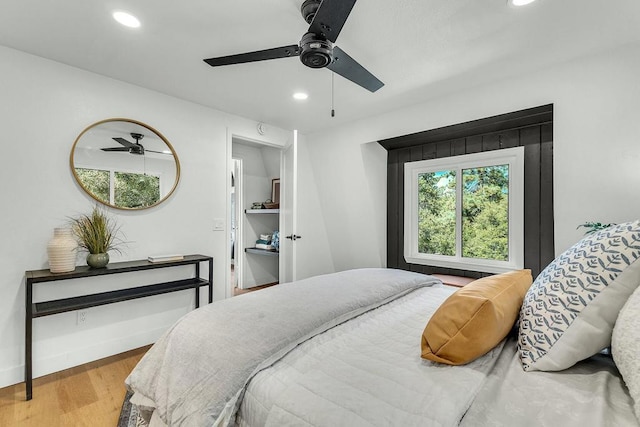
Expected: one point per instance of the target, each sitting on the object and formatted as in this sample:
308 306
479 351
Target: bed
343 349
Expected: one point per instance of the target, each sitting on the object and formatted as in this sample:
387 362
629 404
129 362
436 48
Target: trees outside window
97 182
135 190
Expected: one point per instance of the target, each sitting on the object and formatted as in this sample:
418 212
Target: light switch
218 224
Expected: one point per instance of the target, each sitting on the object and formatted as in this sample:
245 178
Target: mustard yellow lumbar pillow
475 319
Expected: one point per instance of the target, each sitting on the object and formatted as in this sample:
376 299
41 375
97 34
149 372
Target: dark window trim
531 128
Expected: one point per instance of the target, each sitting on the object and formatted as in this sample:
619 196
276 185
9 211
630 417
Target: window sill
457 281
485 266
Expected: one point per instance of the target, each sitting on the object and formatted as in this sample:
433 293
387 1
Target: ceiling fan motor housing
309 8
316 51
138 149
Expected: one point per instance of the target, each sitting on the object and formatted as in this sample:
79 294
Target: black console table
47 308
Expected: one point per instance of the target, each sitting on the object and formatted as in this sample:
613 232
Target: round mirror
125 164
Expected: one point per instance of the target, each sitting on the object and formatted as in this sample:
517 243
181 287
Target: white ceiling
420 49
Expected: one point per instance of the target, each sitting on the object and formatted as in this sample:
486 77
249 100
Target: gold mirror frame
133 126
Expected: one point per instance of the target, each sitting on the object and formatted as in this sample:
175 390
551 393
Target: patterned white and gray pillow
625 347
569 312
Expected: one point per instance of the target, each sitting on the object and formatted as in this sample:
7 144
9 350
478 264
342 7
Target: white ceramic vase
62 251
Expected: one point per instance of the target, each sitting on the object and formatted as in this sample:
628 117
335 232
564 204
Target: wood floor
87 395
238 291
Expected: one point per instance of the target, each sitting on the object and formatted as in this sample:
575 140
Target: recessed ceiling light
520 2
126 19
300 96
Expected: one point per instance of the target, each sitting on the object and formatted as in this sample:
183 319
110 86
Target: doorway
254 215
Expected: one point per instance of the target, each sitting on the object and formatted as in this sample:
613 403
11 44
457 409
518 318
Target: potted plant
97 234
592 227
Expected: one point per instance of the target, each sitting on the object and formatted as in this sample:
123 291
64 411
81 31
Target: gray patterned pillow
569 312
625 347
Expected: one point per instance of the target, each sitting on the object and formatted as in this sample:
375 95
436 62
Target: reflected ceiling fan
316 48
130 147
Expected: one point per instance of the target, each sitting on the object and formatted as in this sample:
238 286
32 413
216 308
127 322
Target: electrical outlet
82 317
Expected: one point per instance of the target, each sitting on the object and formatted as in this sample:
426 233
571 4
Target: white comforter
195 375
367 372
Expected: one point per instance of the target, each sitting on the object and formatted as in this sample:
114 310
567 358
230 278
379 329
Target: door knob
293 237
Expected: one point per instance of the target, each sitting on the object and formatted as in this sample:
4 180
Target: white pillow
625 347
569 312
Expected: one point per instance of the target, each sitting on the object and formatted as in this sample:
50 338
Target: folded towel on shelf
263 242
265 237
263 246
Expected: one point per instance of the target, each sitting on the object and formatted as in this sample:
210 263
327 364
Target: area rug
129 414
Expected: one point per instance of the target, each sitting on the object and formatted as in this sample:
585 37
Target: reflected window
123 189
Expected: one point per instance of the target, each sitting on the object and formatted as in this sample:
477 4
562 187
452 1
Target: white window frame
514 157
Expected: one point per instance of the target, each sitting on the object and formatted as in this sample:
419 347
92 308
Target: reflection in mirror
125 164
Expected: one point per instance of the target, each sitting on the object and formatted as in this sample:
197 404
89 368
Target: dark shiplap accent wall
531 128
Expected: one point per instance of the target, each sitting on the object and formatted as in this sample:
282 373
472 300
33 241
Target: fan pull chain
333 112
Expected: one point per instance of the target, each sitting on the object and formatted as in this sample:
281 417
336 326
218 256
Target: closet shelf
262 211
258 251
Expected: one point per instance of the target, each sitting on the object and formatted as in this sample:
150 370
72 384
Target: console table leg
28 374
197 287
210 280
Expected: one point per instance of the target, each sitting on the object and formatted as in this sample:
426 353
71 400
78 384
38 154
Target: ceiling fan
316 48
130 147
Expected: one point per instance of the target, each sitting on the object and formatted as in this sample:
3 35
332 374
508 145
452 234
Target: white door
288 210
238 248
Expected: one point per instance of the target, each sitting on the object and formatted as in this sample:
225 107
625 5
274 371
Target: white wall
596 151
43 108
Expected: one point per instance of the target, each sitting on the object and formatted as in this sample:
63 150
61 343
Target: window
466 212
126 189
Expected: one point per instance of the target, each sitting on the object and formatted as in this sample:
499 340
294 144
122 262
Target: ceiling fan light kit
315 52
316 49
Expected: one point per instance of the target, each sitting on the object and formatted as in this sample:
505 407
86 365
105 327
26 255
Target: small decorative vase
61 250
98 260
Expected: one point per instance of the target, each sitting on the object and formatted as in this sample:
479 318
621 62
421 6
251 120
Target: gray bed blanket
196 373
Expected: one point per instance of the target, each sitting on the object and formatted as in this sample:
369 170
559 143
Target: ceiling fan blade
124 142
159 152
260 55
115 149
348 68
330 18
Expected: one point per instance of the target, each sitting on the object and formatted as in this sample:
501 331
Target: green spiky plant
592 227
96 232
